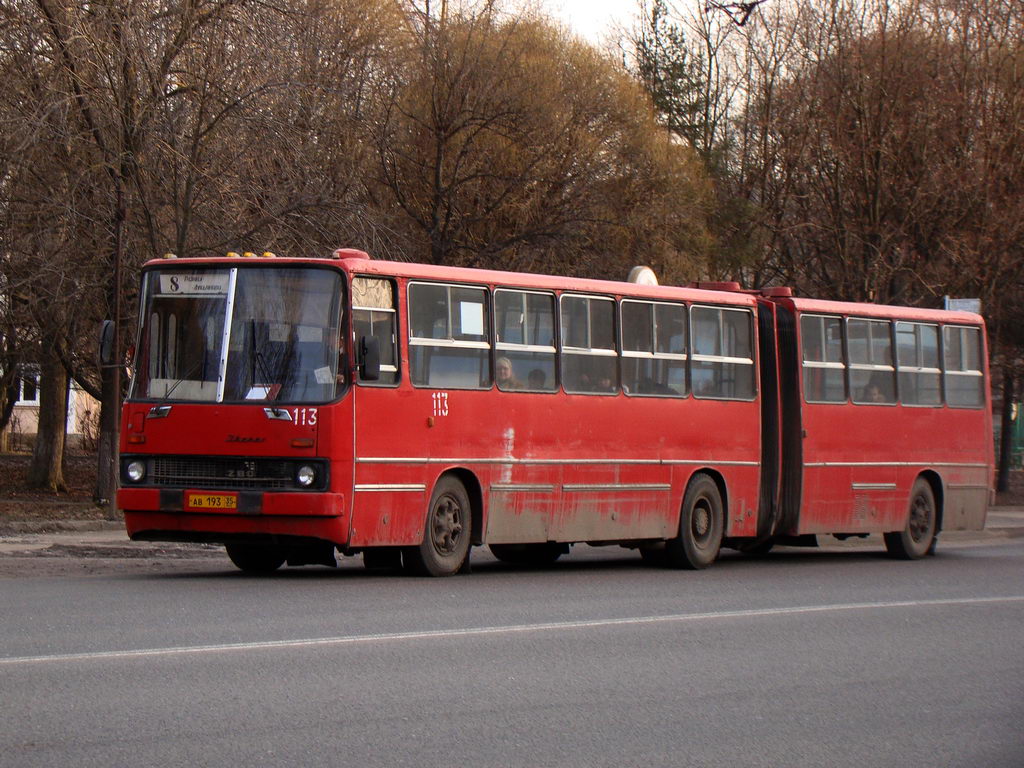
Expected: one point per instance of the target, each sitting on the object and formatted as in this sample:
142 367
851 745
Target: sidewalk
88 538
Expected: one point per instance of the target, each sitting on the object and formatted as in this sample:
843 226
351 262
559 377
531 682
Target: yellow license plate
226 501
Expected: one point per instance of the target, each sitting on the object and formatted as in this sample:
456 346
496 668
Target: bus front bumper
167 515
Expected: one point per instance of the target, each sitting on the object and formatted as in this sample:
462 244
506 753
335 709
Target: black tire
528 554
701 526
918 538
446 534
255 558
382 559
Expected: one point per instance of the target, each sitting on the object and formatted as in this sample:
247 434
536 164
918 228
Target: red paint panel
278 504
381 518
628 458
860 461
328 528
221 430
138 499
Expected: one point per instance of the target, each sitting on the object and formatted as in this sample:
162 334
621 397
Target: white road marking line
502 630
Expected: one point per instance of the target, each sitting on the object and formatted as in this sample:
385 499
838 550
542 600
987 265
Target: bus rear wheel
446 536
918 538
255 558
701 527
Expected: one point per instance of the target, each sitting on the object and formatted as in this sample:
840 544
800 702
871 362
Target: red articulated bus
293 409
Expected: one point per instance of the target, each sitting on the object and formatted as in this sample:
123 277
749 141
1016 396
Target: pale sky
592 19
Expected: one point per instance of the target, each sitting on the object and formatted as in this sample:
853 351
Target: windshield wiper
259 365
185 376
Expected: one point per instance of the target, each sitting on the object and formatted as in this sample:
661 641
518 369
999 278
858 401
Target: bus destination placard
194 284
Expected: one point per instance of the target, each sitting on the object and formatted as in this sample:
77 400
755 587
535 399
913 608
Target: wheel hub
447 527
701 522
919 519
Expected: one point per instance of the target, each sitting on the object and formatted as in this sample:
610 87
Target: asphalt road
805 658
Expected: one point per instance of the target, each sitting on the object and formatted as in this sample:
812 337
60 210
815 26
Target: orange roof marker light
248 255
169 256
268 255
233 255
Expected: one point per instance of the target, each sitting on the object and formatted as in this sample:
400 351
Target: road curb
16 527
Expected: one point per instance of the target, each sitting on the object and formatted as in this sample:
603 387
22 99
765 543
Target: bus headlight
306 475
136 471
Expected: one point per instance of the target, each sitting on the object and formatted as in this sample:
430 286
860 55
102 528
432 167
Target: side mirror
107 352
369 358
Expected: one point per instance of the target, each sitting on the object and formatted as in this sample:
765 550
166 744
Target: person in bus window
536 379
504 375
874 392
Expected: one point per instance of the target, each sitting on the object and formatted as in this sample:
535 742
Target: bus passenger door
390 423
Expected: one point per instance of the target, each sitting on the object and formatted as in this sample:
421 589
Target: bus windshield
240 335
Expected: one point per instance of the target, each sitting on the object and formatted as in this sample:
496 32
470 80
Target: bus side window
824 372
872 373
917 358
374 315
653 348
964 379
723 359
589 360
525 327
449 338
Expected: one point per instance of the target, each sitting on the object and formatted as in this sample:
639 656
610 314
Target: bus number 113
440 403
304 417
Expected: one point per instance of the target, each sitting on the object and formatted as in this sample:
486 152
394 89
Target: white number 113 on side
440 403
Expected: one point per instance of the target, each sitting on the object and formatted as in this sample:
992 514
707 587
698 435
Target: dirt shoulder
47 548
43 533
19 502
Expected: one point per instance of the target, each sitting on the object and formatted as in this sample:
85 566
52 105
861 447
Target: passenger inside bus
873 393
876 391
504 376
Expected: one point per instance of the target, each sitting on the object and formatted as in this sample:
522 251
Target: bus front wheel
255 558
701 527
446 536
915 541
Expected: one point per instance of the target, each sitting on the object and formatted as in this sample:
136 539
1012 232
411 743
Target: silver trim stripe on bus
522 488
597 487
507 460
819 464
873 486
391 487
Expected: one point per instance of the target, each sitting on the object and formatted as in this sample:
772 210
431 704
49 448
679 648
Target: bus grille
210 472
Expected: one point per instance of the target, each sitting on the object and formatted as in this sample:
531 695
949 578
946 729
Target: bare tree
510 144
138 128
